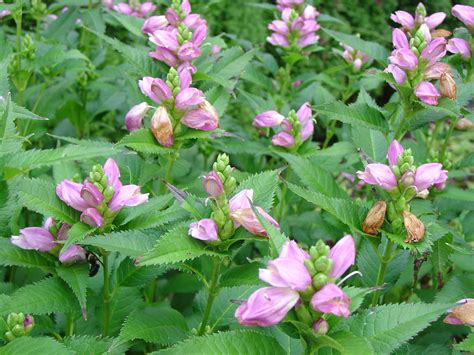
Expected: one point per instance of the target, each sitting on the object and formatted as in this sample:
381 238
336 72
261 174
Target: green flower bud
410 193
404 168
396 171
18 330
321 263
308 263
319 280
313 252
303 314
108 193
322 248
401 204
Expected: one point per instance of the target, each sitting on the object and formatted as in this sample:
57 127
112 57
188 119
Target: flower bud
415 228
310 266
213 184
322 263
462 314
319 280
134 117
321 326
92 217
322 248
161 127
447 86
205 229
463 124
91 194
375 218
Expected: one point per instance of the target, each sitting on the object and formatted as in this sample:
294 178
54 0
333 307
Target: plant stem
212 293
384 260
442 155
284 190
18 20
169 170
69 324
106 292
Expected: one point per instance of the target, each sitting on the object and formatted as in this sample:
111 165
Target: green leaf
130 275
275 237
347 211
13 255
446 108
130 243
467 344
233 342
372 142
156 218
77 277
372 49
77 233
246 274
44 297
10 142
87 344
389 326
132 24
352 344
154 204
35 346
456 288
360 115
142 140
176 246
63 25
40 196
162 325
264 186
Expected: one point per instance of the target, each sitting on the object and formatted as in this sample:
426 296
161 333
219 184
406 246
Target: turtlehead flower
205 229
161 127
134 8
343 256
213 184
154 23
410 22
34 238
72 254
465 14
427 93
331 299
462 314
134 117
459 46
355 58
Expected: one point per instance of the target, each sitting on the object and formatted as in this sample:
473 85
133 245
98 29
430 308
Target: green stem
69 324
284 190
212 293
384 260
169 171
89 7
18 20
442 155
106 293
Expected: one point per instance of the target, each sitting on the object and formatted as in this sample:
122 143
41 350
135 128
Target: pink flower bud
185 7
200 34
127 195
278 39
165 55
247 218
124 8
266 306
279 26
215 49
267 119
205 229
331 299
134 117
92 217
459 45
307 40
161 127
395 149
321 326
188 52
379 174
112 172
154 24
286 272
434 20
399 39
91 194
213 184
192 21
204 119
241 200
296 83
304 113
465 14
430 174
188 98
165 39
146 8
72 254
398 74
4 13
427 93
435 50
291 250
357 64
310 12
172 17
63 231
283 139
343 256
34 238
156 89
404 58
403 18
70 193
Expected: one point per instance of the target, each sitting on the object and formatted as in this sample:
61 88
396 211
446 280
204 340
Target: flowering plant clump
164 186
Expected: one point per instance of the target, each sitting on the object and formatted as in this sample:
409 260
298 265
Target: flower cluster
18 325
304 281
410 23
179 103
295 129
48 239
132 8
177 35
227 215
459 45
101 195
297 27
355 58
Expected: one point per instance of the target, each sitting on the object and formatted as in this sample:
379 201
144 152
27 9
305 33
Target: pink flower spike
92 217
205 229
70 193
343 256
267 306
34 238
72 254
403 18
286 272
188 98
435 50
165 39
399 39
427 93
395 149
267 119
331 299
112 171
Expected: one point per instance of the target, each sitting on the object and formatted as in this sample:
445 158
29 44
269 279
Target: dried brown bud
440 33
415 228
464 124
375 217
161 127
463 314
447 86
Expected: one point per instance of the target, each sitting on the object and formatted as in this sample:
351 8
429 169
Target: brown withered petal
415 228
440 33
375 218
161 127
464 124
447 86
465 312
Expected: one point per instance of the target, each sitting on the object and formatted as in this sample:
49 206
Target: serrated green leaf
264 186
156 218
446 108
44 297
246 274
372 142
389 326
457 288
176 246
88 344
467 344
13 255
77 233
40 196
77 277
132 24
35 346
352 344
142 140
162 325
130 243
276 238
130 275
230 343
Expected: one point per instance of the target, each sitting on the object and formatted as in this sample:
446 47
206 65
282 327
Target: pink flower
399 39
266 306
112 171
430 174
204 118
283 139
459 45
404 58
127 195
403 18
124 8
241 200
134 117
286 272
291 250
34 238
398 74
379 174
279 26
462 314
188 98
395 149
165 55
92 217
70 193
427 93
146 8
91 194
155 88
199 35
154 23
188 52
278 39
4 13
165 39
464 13
72 254
434 20
435 50
205 229
308 39
343 256
213 184
267 119
247 218
321 326
331 299
435 71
